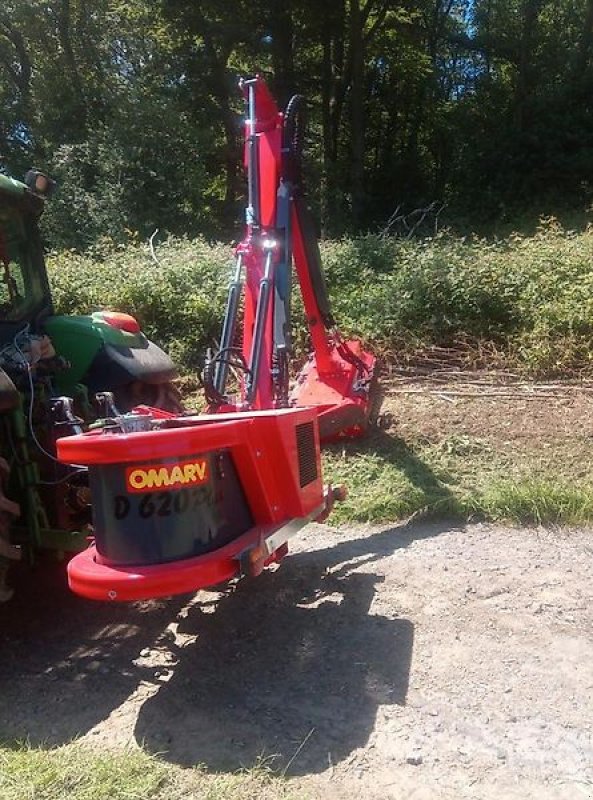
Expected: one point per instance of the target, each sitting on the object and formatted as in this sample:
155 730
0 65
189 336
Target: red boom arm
337 378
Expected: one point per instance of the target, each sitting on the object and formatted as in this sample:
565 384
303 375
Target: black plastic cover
314 266
156 527
115 366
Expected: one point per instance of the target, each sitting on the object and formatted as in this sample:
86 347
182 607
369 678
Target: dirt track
414 662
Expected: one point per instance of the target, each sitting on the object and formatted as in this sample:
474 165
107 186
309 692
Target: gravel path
423 661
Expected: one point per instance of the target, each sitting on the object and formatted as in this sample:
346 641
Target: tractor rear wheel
157 395
8 552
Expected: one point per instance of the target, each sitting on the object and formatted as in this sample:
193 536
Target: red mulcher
185 502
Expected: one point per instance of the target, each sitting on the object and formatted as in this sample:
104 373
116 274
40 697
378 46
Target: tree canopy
133 106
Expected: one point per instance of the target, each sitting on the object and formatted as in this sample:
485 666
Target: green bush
179 301
530 296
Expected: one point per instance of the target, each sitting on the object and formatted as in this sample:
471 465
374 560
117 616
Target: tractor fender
103 355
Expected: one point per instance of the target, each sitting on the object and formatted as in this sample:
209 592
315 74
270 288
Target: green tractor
58 374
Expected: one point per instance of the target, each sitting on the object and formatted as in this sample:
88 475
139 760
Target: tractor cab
103 351
58 374
24 290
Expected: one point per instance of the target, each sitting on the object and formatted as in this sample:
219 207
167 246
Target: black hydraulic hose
294 139
227 357
293 143
313 259
213 397
229 326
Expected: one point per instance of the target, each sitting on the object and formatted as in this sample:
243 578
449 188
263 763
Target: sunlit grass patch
459 476
537 502
79 772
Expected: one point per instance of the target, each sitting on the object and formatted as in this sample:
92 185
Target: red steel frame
263 127
264 453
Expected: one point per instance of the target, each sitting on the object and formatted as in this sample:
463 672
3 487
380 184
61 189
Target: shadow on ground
293 664
66 663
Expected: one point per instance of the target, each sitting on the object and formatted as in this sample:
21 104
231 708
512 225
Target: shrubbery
179 301
530 296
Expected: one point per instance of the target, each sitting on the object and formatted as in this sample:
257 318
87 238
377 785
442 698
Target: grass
386 481
462 475
393 483
78 772
537 502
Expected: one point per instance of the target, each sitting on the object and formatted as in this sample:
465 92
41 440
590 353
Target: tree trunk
21 77
335 78
284 81
531 10
584 47
328 185
357 89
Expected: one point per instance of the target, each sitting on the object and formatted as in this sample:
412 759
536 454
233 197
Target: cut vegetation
499 455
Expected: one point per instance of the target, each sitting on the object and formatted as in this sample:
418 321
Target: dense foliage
530 298
133 106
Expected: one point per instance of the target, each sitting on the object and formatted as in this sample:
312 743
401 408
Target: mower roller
185 502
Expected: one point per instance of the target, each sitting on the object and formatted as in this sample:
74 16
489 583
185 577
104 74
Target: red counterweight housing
193 501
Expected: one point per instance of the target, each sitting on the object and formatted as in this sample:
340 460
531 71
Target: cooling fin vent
305 437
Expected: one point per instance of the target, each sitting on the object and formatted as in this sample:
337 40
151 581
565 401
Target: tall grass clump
536 502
